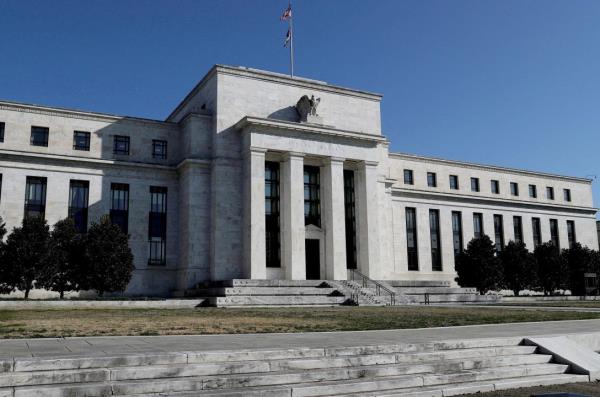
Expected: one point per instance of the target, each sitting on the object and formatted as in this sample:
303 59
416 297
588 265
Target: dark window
454 182
518 226
408 177
495 186
312 199
2 126
554 233
35 197
498 232
431 179
474 184
119 210
567 194
436 246
477 225
272 228
157 226
159 149
121 144
537 231
550 193
39 136
81 140
411 239
514 188
78 204
350 210
457 237
532 191
571 233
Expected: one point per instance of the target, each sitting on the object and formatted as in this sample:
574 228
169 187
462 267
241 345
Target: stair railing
380 289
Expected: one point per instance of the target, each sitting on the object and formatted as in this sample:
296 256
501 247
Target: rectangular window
121 145
39 136
119 209
495 186
157 226
514 188
550 193
518 228
532 191
350 212
571 233
2 126
477 225
537 231
408 177
499 232
474 184
431 179
457 237
159 149
78 204
35 196
436 246
454 182
81 140
554 233
567 194
272 215
411 239
312 198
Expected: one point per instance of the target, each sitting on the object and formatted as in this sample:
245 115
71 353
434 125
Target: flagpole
291 42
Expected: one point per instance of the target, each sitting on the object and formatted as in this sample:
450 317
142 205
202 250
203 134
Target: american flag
287 14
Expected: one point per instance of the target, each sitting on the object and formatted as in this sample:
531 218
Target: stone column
254 214
367 219
334 220
293 258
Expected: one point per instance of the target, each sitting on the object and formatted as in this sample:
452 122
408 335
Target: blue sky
511 82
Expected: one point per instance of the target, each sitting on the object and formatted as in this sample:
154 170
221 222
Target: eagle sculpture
307 106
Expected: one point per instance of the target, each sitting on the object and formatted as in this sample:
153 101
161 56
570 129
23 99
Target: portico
303 207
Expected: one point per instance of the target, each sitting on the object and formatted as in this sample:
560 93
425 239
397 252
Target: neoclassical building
259 175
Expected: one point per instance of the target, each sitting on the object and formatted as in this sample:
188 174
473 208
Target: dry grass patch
585 389
100 322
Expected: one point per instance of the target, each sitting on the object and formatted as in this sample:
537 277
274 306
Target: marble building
259 175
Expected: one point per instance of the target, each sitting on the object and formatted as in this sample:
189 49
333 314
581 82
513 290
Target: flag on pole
287 14
288 38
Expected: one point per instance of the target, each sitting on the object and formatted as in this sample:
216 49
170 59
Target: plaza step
440 292
425 369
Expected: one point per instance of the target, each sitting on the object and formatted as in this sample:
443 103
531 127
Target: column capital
255 150
330 160
369 163
289 155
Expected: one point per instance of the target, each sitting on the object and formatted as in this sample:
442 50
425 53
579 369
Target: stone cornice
485 167
464 198
79 114
83 161
193 162
280 125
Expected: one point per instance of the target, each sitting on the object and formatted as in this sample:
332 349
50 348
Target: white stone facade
218 141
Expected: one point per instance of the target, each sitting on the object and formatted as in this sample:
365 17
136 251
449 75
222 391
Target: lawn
97 322
584 304
586 389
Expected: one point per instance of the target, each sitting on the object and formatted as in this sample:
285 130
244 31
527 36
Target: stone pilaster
254 214
367 219
293 258
332 204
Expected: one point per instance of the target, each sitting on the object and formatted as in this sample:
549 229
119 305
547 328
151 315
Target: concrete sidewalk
111 345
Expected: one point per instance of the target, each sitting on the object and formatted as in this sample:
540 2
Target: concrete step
418 283
258 291
261 283
281 300
435 290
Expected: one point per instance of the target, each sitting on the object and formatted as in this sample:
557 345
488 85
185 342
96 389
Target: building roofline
76 113
274 77
488 167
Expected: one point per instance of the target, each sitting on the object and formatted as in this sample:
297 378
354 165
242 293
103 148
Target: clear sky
507 82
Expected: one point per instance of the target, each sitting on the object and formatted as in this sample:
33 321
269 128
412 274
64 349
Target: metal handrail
378 286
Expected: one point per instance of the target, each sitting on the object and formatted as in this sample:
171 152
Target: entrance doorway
313 259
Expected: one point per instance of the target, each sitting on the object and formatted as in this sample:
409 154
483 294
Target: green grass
99 322
589 303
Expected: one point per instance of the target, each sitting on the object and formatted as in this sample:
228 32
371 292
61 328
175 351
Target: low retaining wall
100 304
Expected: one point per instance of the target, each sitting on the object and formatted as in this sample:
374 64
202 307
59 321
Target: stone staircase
424 370
440 292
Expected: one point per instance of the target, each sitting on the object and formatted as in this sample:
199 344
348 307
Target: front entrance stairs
357 290
431 369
